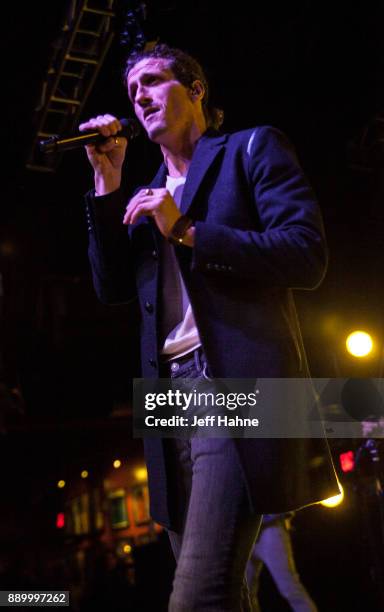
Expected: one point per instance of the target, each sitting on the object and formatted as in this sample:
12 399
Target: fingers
130 208
156 203
145 209
139 205
107 125
113 143
150 202
109 152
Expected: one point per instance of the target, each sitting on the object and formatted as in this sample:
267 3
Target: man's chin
155 132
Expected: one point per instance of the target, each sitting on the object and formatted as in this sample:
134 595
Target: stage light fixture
359 343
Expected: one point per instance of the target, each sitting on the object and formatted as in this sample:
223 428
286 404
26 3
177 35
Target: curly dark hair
186 70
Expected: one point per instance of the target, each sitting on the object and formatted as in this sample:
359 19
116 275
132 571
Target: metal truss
79 52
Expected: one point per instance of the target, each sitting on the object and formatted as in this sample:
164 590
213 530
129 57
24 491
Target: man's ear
197 90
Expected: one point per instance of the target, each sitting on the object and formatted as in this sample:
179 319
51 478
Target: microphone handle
56 144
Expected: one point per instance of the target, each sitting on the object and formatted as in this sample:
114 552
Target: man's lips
149 112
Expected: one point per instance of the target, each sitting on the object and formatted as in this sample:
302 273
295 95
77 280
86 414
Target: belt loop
197 359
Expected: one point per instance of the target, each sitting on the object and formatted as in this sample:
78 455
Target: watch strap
179 229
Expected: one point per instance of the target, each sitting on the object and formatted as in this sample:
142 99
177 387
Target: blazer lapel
207 149
160 178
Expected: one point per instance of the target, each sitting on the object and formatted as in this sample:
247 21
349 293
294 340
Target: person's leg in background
274 548
254 567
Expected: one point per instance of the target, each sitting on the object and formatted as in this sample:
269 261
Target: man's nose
142 96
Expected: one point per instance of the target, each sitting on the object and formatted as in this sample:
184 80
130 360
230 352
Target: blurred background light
347 461
359 343
334 501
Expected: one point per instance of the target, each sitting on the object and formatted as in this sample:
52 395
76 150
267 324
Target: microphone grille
131 128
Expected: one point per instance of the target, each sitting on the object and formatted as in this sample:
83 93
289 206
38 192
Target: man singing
211 249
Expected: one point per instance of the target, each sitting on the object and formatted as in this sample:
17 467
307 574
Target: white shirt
184 337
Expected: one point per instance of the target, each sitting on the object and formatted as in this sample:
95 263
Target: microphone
57 144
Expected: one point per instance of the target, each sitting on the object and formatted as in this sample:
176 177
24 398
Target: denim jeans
274 549
217 527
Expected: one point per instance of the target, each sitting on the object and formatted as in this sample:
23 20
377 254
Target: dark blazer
258 234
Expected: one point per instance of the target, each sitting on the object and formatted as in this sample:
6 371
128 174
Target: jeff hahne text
195 401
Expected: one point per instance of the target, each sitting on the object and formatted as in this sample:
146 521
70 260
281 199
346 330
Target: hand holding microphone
105 138
107 154
96 131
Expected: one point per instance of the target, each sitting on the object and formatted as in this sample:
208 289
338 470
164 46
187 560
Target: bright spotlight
359 344
332 502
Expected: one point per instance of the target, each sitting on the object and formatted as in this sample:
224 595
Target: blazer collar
160 178
207 149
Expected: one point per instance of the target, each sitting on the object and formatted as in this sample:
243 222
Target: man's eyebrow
143 76
153 72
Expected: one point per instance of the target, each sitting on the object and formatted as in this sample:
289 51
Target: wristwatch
179 229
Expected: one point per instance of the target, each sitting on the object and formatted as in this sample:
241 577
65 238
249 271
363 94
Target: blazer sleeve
109 248
290 250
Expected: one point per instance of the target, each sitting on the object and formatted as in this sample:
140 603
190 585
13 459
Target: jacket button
155 255
149 307
152 362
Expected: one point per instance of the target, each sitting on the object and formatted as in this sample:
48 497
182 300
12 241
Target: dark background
314 73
